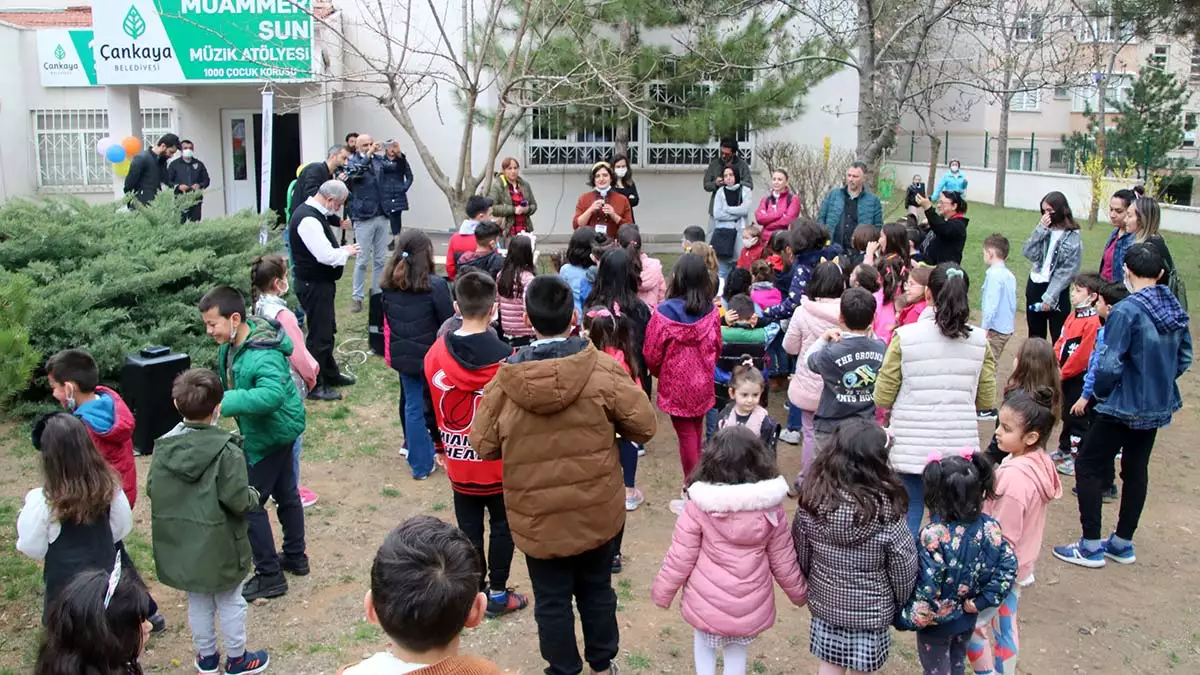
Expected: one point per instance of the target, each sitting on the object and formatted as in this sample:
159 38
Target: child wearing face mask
200 493
269 283
753 247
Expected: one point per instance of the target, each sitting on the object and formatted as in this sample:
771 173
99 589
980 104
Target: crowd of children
533 393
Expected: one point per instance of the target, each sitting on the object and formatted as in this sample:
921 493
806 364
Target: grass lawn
350 460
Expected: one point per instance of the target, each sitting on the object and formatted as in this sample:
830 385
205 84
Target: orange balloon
132 145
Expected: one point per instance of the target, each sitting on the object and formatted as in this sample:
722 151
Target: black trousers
317 299
497 560
191 214
587 578
1074 427
1093 472
1046 325
274 476
394 219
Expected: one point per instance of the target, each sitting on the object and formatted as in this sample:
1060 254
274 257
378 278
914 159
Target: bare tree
1016 49
941 98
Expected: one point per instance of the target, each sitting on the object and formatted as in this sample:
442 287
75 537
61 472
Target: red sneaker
511 602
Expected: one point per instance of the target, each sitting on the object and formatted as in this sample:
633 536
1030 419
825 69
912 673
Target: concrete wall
1025 189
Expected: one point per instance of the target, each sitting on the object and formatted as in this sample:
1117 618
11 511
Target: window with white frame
1026 101
1058 158
1118 88
1102 29
1062 93
560 137
1195 71
65 145
1158 58
1027 27
1022 159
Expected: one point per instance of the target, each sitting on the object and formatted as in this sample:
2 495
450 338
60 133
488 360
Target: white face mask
1128 283
749 241
954 169
188 154
286 287
621 171
603 190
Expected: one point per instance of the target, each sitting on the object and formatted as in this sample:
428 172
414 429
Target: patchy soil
1141 618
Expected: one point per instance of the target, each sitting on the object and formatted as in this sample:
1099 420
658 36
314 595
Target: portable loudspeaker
146 380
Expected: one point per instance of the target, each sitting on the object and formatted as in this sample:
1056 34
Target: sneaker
208 665
404 451
984 415
1123 555
307 497
1119 453
323 393
1067 467
641 448
1076 554
511 602
158 624
344 380
677 505
791 436
265 586
294 566
250 663
1060 456
617 561
355 306
426 476
1110 495
634 501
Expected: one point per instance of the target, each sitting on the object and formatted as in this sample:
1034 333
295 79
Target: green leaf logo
134 25
60 53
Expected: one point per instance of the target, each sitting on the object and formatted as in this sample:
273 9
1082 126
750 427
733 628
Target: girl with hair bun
937 372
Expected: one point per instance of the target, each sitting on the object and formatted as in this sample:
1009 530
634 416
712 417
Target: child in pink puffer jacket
730 541
817 313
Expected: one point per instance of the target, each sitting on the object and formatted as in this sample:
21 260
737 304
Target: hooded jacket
199 494
958 562
1025 486
110 425
652 285
489 263
304 366
859 575
1078 339
552 414
1147 347
729 542
946 238
681 351
802 269
457 367
460 243
395 179
259 392
811 321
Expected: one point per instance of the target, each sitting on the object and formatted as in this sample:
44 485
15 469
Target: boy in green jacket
199 494
252 363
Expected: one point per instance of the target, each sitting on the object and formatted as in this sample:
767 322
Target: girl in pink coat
817 313
652 286
730 541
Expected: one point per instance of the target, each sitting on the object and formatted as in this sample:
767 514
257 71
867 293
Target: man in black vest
318 263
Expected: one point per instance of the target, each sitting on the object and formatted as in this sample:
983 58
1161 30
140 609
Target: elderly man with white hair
318 262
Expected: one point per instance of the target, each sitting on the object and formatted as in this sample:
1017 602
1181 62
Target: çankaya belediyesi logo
57 64
134 26
60 53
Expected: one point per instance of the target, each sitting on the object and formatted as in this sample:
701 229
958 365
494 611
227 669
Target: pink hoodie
885 318
652 287
729 542
811 320
683 356
1025 485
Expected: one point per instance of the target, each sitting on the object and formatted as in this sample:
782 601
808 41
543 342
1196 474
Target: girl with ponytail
950 376
652 286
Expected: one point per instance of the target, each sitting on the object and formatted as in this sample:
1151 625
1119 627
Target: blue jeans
711 419
420 445
915 487
794 420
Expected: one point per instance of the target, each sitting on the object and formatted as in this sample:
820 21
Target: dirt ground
1140 618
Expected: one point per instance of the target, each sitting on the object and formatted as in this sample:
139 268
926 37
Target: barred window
65 144
559 137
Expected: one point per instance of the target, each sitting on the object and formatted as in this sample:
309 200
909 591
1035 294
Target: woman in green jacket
513 203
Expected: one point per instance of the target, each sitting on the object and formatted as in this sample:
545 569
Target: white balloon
103 145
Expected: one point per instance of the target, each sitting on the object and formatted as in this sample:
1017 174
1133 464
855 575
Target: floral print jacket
958 561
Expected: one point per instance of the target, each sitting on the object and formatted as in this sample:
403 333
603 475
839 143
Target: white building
48 131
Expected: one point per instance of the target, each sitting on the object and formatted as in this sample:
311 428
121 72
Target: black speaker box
375 323
146 380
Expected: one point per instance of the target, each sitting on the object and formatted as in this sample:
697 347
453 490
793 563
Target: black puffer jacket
411 322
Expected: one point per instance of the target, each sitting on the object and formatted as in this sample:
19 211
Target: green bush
17 358
113 282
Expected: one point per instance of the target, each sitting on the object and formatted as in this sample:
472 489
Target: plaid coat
859 576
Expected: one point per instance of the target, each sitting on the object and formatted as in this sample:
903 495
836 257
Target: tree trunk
1002 148
935 146
627 35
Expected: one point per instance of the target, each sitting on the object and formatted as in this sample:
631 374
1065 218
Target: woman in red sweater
602 207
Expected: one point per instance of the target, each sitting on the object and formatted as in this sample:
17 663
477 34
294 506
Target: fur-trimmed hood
716 498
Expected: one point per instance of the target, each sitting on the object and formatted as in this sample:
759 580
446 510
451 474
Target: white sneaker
404 451
634 501
791 436
677 505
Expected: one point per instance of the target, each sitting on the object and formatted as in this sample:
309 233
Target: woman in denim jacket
1147 347
1055 250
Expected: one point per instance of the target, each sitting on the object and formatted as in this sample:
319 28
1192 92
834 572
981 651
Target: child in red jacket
753 247
75 384
479 209
1074 349
457 366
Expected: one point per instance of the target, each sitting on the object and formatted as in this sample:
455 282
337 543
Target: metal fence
1025 152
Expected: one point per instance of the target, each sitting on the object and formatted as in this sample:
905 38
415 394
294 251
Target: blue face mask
603 190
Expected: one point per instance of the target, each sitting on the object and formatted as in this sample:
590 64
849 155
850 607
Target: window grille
65 145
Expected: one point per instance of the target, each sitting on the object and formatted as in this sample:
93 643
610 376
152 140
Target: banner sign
202 41
65 57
